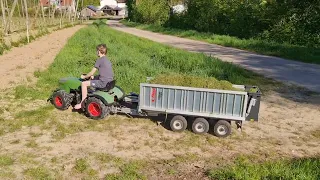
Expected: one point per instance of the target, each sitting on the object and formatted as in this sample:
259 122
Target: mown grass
307 168
134 59
293 52
128 171
38 173
5 160
26 118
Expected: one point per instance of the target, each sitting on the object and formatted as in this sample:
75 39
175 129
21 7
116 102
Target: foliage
285 50
149 11
294 22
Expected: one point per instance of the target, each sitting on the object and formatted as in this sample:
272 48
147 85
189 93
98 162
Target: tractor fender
104 100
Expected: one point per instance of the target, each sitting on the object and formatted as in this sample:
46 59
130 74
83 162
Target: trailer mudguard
253 105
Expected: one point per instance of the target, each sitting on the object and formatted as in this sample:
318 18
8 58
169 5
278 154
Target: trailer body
200 102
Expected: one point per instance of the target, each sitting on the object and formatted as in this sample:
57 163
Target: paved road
302 74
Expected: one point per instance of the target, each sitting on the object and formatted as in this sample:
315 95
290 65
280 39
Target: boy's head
101 50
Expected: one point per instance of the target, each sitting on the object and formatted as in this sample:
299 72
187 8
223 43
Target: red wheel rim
58 101
94 109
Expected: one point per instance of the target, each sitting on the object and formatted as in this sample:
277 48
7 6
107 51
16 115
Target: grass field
298 53
44 143
306 168
134 59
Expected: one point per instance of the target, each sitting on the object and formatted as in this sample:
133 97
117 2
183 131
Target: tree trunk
60 16
53 12
35 17
19 9
7 28
22 7
27 19
80 11
76 12
3 17
43 16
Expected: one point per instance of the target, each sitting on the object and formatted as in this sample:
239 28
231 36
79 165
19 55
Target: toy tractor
98 104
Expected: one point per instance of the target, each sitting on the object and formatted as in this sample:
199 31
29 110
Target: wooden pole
36 16
44 19
81 11
49 10
7 28
3 17
19 10
22 7
75 14
54 11
60 15
27 19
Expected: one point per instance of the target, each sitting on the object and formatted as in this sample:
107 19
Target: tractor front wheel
61 100
95 109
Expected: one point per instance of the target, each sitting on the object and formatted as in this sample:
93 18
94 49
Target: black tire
95 109
200 126
178 123
222 128
61 100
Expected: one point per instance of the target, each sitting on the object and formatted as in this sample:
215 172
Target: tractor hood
70 83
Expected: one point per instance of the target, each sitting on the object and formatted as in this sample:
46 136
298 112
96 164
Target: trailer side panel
193 101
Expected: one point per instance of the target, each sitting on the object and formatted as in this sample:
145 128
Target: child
105 74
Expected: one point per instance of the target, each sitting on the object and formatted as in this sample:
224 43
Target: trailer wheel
222 128
178 123
200 126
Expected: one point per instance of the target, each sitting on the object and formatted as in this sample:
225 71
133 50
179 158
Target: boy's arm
91 73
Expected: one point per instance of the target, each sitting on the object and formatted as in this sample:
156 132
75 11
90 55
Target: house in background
89 11
60 4
114 7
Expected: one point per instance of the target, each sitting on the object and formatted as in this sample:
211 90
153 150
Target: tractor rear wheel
95 109
61 100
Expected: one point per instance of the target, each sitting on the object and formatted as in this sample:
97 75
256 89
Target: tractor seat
110 85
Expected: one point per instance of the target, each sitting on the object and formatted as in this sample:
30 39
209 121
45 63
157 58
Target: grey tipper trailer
199 107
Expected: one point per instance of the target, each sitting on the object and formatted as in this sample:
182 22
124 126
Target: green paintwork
109 97
73 83
118 92
69 83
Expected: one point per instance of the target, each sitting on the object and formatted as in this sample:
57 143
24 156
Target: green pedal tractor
98 104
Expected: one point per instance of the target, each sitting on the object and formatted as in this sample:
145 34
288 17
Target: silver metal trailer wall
212 103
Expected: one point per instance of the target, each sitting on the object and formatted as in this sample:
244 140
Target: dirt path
20 63
294 72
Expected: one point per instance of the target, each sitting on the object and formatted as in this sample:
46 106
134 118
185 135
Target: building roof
109 7
93 8
56 2
117 8
66 2
121 1
44 2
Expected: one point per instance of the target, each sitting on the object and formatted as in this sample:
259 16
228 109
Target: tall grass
134 59
293 52
304 169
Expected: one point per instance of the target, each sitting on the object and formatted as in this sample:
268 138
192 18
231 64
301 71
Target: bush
150 11
294 22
